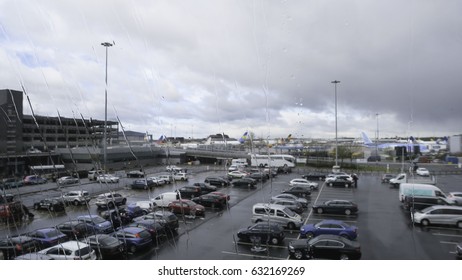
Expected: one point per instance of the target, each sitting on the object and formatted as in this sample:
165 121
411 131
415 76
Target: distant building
221 139
455 144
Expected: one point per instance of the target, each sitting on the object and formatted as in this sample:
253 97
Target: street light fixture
106 45
335 82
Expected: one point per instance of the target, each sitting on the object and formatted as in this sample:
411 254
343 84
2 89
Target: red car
186 207
225 196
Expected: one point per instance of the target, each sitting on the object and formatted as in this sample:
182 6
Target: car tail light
18 247
137 235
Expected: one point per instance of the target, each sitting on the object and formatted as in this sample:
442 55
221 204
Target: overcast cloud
195 68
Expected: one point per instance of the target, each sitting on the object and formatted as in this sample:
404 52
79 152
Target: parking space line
448 242
251 255
265 245
448 235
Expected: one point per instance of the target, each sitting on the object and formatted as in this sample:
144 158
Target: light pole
106 45
377 139
335 82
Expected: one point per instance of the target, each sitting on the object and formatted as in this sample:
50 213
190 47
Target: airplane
409 144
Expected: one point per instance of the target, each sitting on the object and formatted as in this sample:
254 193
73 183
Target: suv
76 197
135 174
93 174
168 179
180 176
109 200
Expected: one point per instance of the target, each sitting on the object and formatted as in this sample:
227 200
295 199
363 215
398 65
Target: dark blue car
48 237
334 227
96 224
134 238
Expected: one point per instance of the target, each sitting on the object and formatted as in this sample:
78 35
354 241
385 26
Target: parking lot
385 230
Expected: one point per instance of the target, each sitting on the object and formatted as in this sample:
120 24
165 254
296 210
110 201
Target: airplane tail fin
366 139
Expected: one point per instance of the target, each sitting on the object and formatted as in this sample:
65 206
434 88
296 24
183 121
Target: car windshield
97 220
53 233
289 212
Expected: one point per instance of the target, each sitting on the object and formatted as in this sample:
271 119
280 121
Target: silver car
439 215
456 197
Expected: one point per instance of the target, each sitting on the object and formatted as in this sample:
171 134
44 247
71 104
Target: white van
239 161
410 189
280 214
164 199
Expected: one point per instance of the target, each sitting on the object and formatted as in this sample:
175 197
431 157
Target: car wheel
76 203
110 205
320 211
51 208
459 224
309 235
274 241
291 226
298 254
145 187
124 201
425 222
344 257
347 211
132 249
222 184
311 188
331 184
36 207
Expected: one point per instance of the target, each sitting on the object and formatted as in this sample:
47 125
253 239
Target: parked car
387 176
107 178
456 197
339 181
34 180
76 197
336 206
10 183
422 171
158 181
291 204
48 237
210 200
135 174
34 256
93 174
335 227
186 207
155 228
266 233
413 203
439 215
67 180
180 176
205 188
106 246
134 238
338 175
299 191
173 168
303 182
217 181
237 174
245 182
146 206
167 218
258 176
168 179
326 246
74 229
224 196
96 223
13 246
288 196
110 200
189 191
143 184
70 250
117 217
459 250
315 176
50 204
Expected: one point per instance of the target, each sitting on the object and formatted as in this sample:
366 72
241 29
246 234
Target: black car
106 246
258 176
189 191
325 246
50 204
167 218
413 203
245 182
135 174
263 232
11 247
299 191
155 228
336 206
342 182
143 184
74 229
205 188
210 200
217 181
118 217
315 176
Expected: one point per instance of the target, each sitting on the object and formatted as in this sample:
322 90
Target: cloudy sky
195 68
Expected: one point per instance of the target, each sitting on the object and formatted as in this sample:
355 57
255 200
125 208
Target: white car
237 174
67 180
76 197
422 171
70 250
304 182
333 177
180 176
107 178
157 180
167 178
173 168
456 197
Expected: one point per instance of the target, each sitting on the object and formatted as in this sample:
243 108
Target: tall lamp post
335 82
106 45
377 139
